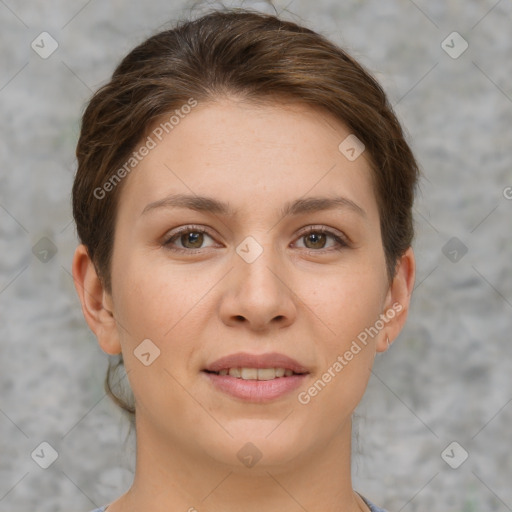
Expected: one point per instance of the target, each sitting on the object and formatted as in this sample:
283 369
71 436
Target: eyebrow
211 205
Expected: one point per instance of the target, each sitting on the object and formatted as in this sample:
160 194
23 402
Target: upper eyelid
334 233
321 227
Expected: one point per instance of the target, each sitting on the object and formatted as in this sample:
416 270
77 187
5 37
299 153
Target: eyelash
340 240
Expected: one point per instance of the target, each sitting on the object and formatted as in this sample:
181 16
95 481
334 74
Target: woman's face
247 278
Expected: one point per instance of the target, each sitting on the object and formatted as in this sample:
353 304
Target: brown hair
256 57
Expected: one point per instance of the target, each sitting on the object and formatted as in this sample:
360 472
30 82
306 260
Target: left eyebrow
315 204
296 207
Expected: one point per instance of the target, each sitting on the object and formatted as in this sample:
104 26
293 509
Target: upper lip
244 360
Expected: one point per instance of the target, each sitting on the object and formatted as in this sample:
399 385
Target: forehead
262 154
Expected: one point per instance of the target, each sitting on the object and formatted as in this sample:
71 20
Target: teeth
256 373
249 373
234 372
266 373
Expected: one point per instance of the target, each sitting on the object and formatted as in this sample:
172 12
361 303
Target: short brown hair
256 57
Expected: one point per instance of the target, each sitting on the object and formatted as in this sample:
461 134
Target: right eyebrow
192 202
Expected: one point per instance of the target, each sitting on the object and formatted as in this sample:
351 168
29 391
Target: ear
398 298
97 304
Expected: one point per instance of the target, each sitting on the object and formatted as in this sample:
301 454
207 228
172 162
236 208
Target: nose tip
256 295
262 326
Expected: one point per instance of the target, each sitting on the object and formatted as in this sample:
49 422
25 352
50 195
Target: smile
255 385
256 373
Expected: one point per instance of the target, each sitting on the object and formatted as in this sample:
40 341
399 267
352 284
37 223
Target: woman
244 202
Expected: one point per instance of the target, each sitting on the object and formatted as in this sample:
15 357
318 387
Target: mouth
256 378
256 373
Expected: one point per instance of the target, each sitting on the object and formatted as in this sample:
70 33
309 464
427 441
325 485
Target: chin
257 446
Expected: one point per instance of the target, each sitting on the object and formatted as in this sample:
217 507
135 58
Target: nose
258 295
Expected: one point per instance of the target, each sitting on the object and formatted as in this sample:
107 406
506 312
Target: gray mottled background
447 378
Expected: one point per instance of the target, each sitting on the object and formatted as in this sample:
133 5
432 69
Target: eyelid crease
327 230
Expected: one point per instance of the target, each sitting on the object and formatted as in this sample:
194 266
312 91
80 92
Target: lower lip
256 390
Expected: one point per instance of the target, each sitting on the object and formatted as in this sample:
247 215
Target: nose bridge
259 265
257 289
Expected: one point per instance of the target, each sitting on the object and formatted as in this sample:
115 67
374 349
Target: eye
190 238
316 237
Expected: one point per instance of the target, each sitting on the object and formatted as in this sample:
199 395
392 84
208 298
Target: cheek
349 304
163 305
161 301
346 301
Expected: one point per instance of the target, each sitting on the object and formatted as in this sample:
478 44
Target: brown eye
192 240
316 240
187 239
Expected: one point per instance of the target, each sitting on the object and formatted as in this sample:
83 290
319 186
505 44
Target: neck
168 477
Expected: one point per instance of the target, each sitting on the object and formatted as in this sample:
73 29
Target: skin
300 297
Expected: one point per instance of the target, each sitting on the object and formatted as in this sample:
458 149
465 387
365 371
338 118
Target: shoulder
372 507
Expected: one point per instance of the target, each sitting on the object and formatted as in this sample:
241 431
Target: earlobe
96 302
398 300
